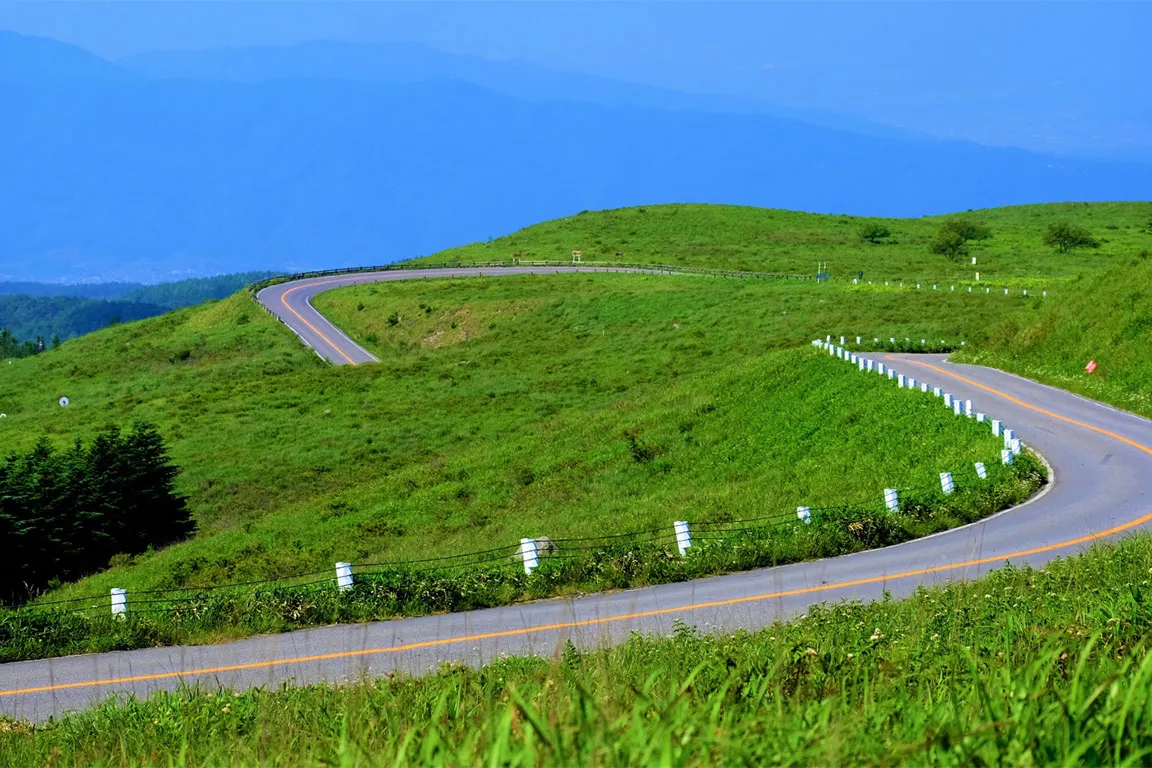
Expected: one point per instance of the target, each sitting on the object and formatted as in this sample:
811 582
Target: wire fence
704 533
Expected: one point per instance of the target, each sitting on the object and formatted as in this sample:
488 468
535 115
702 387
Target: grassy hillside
500 410
1023 667
759 239
1106 318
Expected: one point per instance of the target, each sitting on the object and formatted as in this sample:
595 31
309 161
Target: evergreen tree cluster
10 346
64 514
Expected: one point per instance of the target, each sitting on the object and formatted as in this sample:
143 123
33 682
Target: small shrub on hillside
952 238
1068 237
873 232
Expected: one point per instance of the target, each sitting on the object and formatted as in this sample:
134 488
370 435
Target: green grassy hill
291 465
756 239
1105 317
518 406
552 405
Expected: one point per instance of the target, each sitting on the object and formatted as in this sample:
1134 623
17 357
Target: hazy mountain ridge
137 178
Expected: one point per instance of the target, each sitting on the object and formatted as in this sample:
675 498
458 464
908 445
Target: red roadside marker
1091 366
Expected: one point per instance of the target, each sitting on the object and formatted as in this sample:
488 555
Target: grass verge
497 578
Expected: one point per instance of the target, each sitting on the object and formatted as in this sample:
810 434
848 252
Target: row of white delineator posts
1012 444
987 289
529 552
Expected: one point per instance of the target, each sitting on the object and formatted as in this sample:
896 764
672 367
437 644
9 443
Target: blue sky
1058 76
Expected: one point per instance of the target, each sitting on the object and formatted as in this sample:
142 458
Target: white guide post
980 418
957 407
936 392
880 368
946 483
683 536
804 514
923 386
900 380
968 408
1009 436
1014 446
996 425
529 554
911 383
947 400
1006 456
891 499
119 602
981 472
344 576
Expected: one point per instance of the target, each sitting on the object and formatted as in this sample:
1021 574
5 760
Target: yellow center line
1029 406
271 663
284 300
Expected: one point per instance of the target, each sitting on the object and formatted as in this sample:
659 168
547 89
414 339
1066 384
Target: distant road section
292 303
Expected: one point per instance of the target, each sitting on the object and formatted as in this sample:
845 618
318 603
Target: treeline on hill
42 310
66 513
10 346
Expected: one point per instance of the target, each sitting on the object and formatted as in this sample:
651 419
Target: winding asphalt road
1101 459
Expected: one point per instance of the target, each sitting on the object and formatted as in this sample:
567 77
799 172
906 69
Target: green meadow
526 406
766 240
503 408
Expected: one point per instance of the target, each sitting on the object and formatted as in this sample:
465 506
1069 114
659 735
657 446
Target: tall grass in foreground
1021 667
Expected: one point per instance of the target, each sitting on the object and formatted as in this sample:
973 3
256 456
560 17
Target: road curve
292 303
1100 458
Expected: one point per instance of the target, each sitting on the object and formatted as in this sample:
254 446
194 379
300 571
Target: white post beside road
968 408
980 418
923 386
683 536
344 576
804 514
529 554
946 483
891 499
900 381
981 472
996 427
957 407
936 392
947 400
119 602
880 368
1006 456
1009 436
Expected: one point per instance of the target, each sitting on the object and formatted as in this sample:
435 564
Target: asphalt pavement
1099 456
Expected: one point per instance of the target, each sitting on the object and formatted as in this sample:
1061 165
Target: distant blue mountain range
335 154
